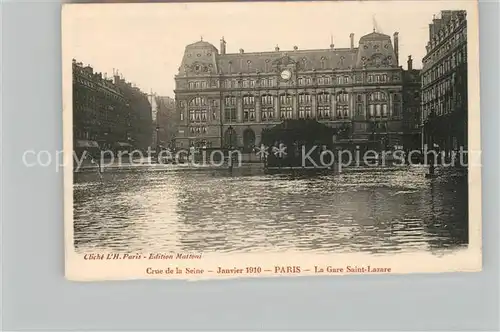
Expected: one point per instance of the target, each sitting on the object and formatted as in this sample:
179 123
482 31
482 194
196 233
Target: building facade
106 112
141 115
411 107
167 121
227 99
444 83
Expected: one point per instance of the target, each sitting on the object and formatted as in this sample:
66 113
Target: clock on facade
285 74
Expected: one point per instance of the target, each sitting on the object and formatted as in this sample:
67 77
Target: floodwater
374 211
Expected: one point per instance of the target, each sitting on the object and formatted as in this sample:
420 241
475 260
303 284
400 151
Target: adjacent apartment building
444 83
108 113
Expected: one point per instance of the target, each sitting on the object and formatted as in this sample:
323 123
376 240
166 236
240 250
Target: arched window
248 108
267 107
286 111
377 105
305 111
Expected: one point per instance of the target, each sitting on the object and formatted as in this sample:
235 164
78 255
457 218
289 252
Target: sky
146 42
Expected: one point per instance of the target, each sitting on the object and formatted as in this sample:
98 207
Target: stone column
295 105
239 109
333 104
391 104
365 106
351 105
314 104
257 109
277 107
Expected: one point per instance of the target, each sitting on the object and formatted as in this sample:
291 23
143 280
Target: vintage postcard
271 139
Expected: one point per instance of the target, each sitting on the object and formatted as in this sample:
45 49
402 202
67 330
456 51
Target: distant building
411 107
444 83
141 114
228 99
101 111
167 121
108 114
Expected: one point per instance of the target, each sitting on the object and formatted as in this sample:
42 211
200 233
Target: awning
86 144
122 144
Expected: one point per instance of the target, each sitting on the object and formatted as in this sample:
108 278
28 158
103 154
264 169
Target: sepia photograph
265 139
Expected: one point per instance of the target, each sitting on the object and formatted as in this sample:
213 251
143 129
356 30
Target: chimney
352 40
396 47
222 46
410 63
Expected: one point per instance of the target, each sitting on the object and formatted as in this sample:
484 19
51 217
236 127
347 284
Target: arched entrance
230 138
248 139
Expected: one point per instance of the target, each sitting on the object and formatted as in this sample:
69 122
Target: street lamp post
157 143
230 129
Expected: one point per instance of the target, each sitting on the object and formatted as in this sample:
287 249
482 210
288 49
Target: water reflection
376 211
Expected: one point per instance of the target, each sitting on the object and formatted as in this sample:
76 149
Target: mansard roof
201 45
374 36
342 58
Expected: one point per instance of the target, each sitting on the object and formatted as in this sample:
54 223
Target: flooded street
374 211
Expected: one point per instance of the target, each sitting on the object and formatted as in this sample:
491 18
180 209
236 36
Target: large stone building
107 113
444 83
228 98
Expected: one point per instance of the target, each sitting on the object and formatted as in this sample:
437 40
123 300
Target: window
342 97
267 100
198 101
230 101
286 113
286 99
248 114
342 111
230 114
305 112
301 81
323 98
323 112
378 96
304 98
267 114
248 100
